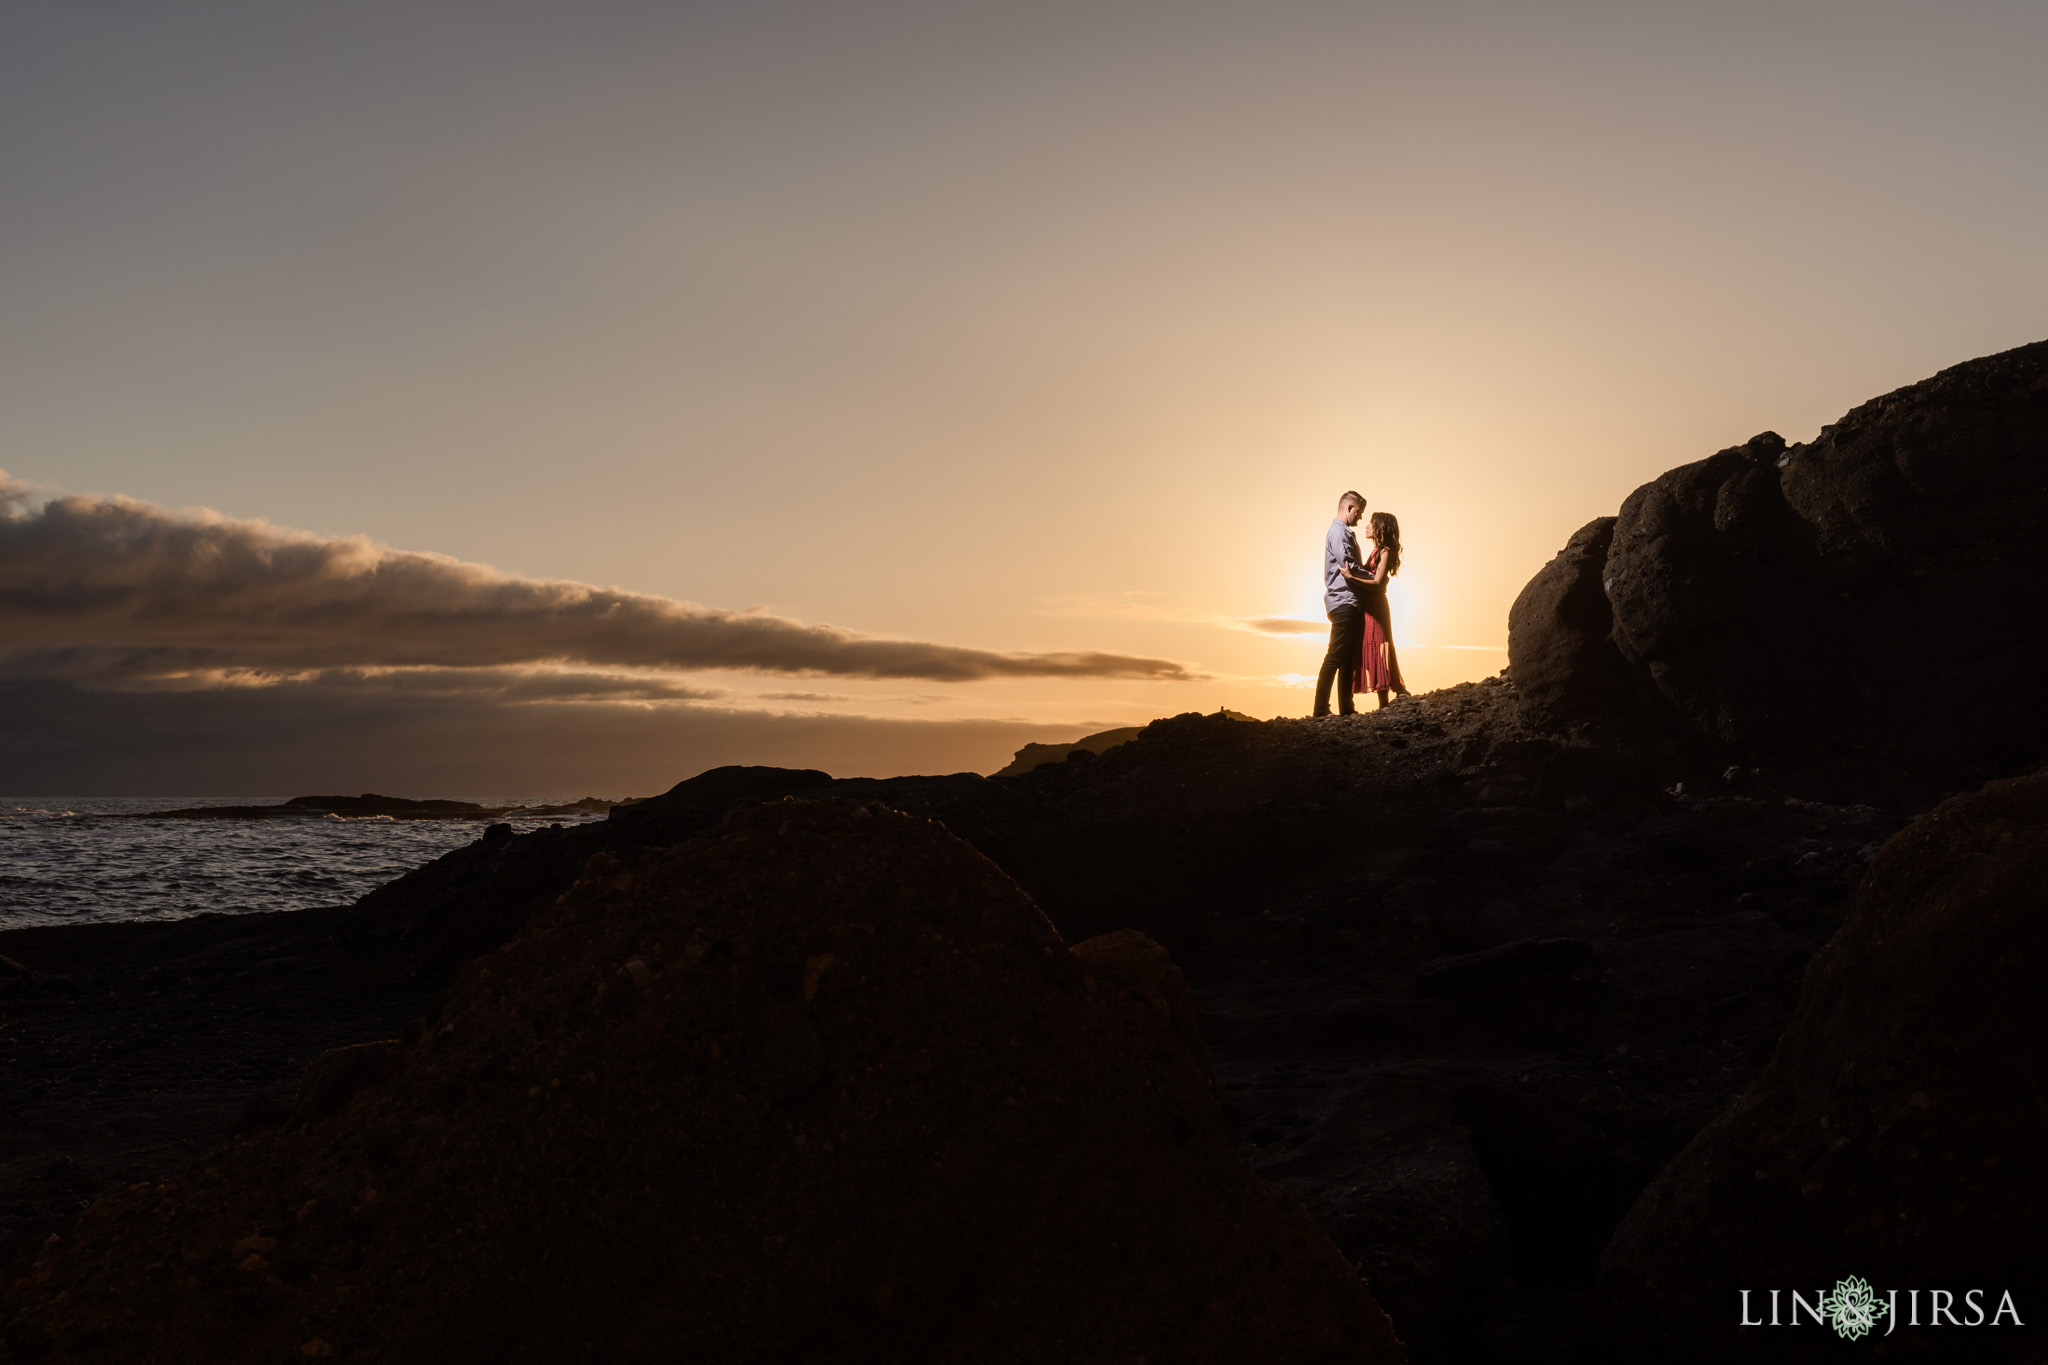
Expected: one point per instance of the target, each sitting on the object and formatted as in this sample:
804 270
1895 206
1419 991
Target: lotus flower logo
1853 1309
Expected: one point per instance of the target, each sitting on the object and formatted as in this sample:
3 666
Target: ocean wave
63 862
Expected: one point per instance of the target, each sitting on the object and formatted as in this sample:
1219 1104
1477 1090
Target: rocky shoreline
370 806
1460 1023
1554 1001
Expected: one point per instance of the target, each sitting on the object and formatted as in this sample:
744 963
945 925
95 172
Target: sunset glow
922 380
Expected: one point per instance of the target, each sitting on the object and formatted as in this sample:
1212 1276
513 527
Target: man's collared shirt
1340 552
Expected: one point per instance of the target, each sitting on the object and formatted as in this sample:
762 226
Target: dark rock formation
1490 968
825 1085
437 917
1560 631
1707 583
1387 1167
1841 597
337 1074
319 807
1897 1133
1032 755
1469 1151
369 804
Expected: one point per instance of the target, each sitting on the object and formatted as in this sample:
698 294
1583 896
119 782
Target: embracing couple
1361 657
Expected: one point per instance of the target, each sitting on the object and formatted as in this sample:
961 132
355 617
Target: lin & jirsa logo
1854 1309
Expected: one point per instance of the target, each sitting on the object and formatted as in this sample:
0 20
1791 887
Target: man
1341 604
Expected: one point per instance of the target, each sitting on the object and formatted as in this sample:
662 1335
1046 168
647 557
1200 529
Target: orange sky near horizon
1019 329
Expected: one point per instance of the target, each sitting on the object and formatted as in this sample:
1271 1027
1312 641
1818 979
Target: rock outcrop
369 804
1094 746
821 1084
1367 913
1560 634
1843 596
1896 1135
1707 581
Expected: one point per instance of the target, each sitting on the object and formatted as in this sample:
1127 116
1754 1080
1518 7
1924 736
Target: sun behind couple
1361 656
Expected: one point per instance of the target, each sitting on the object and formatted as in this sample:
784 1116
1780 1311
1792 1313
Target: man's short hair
1349 496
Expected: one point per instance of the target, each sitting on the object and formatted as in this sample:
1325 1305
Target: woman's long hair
1387 532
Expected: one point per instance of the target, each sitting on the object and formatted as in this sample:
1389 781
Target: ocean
63 862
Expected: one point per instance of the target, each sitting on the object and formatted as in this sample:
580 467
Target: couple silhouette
1361 656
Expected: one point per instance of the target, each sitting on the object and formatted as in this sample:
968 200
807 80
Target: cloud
113 591
909 699
1283 625
320 734
479 684
1146 606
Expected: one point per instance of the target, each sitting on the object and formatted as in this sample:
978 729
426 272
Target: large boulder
1873 591
1895 1136
821 1084
1560 633
1929 514
1707 581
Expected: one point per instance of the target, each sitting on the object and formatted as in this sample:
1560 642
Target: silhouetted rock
1842 596
1300 872
1707 581
1603 774
256 1112
825 1085
1032 755
587 806
472 899
1126 960
1897 1133
1390 1172
1492 967
337 1074
320 807
369 803
1560 634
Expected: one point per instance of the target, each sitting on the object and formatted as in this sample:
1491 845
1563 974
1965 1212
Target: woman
1379 670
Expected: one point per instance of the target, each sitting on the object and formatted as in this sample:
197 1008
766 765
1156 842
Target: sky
452 398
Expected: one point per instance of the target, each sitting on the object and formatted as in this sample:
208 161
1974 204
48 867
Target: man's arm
1336 555
1373 579
1347 556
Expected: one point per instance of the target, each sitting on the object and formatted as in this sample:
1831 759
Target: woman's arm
1375 570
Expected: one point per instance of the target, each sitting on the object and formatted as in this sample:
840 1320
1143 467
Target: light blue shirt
1340 551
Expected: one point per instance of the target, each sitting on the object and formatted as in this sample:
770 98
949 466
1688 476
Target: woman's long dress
1379 668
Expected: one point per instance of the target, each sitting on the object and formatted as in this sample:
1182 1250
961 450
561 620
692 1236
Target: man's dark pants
1347 635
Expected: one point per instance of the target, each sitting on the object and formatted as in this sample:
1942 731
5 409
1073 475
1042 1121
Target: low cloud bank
306 735
111 591
1284 625
1149 606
